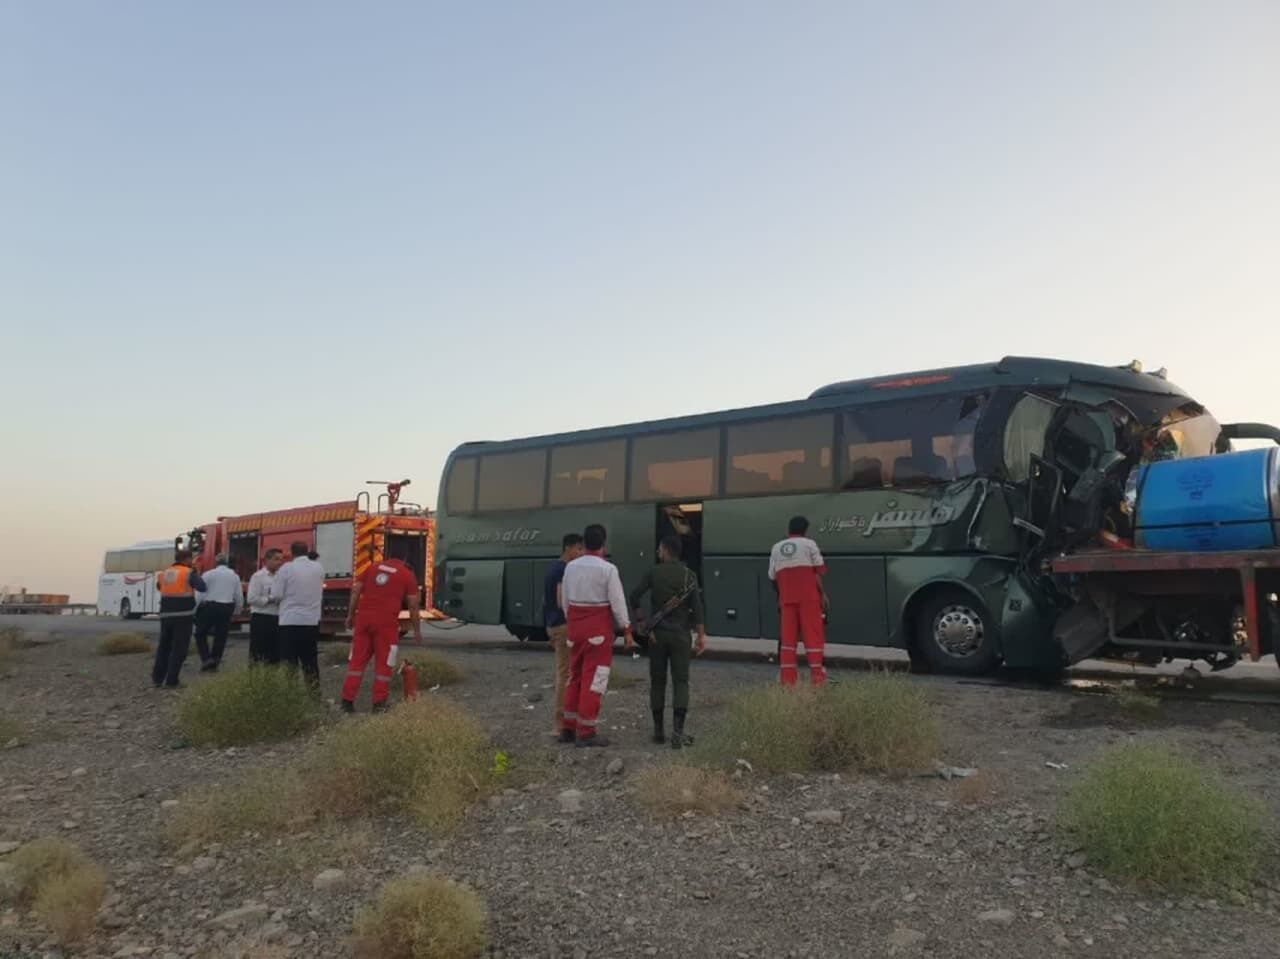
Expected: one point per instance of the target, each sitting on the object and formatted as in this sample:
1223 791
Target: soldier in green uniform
677 612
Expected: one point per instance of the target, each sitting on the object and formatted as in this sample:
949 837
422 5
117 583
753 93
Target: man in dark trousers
301 582
677 612
178 586
223 599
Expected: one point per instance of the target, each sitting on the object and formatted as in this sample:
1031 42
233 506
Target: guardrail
47 609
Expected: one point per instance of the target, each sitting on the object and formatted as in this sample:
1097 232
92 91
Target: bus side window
916 441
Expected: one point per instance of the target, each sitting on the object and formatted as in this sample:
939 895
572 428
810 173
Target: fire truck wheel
954 634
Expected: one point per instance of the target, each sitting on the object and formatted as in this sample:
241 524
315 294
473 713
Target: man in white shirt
595 608
223 599
264 610
301 591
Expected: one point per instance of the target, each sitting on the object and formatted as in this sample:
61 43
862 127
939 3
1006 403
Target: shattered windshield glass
1186 432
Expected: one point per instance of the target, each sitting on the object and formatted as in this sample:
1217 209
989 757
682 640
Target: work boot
592 742
678 739
208 666
659 734
567 736
381 707
348 706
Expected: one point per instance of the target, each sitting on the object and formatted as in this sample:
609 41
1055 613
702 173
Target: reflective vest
177 595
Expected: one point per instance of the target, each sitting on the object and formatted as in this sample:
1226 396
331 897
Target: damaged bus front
1154 540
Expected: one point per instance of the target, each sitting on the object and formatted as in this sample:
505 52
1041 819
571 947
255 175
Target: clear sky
253 254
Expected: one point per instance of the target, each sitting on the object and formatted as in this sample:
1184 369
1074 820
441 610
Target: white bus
127 585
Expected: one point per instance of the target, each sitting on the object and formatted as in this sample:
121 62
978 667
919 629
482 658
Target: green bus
926 491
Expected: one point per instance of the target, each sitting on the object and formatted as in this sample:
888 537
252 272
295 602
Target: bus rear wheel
953 633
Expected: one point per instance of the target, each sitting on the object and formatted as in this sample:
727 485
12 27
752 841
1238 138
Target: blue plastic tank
1210 503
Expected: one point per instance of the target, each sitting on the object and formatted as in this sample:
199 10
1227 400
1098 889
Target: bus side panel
517 593
732 595
473 590
856 586
909 578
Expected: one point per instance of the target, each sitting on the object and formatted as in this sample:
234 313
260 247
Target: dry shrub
423 917
123 644
670 791
335 654
12 639
69 904
879 722
427 758
434 670
976 790
1146 813
1136 703
62 886
260 704
266 802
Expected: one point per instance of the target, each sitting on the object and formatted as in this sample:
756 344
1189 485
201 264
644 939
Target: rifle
669 607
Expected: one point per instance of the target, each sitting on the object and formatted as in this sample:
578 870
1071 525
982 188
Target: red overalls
377 627
795 564
595 603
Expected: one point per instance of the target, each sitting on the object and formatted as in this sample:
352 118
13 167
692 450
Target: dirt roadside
909 870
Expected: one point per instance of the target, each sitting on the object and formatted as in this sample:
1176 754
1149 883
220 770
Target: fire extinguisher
409 673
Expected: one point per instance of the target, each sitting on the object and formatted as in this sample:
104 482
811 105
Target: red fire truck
348 536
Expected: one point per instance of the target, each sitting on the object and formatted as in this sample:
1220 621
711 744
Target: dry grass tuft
427 758
335 654
262 704
423 917
124 644
266 802
978 790
879 722
434 670
12 639
1148 814
1135 702
671 791
61 885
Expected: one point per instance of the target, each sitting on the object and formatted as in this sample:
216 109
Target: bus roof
1013 371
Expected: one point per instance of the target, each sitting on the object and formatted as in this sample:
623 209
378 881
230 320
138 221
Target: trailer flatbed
1248 574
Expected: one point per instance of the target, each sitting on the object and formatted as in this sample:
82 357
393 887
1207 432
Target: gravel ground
909 869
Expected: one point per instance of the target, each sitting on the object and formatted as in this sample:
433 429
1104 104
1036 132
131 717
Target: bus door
684 522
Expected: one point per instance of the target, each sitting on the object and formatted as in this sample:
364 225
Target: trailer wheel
953 633
125 610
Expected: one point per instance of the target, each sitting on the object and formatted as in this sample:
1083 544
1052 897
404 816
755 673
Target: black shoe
381 707
659 737
567 736
679 741
348 706
173 686
208 667
592 742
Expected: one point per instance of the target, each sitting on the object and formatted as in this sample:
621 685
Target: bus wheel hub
958 630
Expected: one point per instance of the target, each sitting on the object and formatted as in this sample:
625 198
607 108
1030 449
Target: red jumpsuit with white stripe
377 629
795 565
594 605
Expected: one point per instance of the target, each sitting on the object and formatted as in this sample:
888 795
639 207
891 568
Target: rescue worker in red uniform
594 606
796 567
376 600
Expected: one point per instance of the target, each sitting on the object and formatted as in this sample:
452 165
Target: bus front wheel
954 634
125 611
